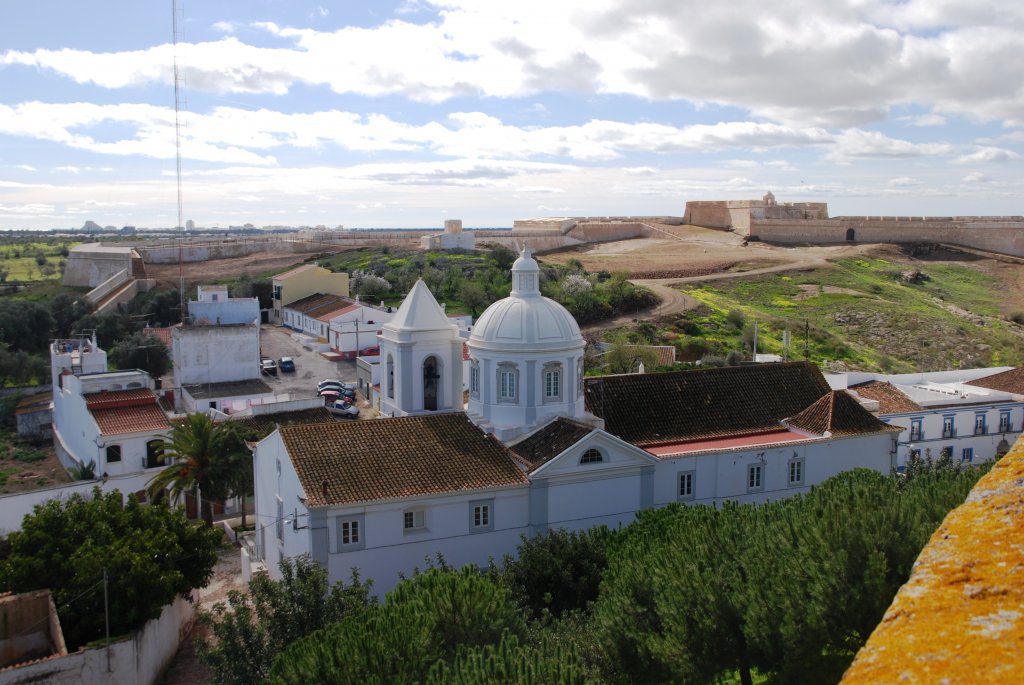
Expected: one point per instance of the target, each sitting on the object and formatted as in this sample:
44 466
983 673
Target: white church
538 446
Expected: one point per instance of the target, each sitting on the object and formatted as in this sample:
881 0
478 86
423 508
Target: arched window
592 456
391 377
431 383
154 449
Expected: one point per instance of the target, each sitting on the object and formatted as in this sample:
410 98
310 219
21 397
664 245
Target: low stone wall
1003 236
960 616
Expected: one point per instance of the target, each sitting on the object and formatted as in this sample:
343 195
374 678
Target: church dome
526 320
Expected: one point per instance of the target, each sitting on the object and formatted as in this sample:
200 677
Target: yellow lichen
960 616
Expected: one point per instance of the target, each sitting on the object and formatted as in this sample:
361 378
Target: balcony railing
979 430
948 432
916 436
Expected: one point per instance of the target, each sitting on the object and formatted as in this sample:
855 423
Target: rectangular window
113 453
967 455
279 523
979 424
413 520
507 385
915 430
552 384
796 471
481 516
948 430
754 476
1004 422
946 452
686 485
277 292
350 532
474 379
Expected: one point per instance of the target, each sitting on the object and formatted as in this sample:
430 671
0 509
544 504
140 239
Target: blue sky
374 114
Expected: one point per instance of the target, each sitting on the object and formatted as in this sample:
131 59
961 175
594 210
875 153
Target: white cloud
924 120
223 26
68 169
903 182
984 155
855 59
25 167
857 143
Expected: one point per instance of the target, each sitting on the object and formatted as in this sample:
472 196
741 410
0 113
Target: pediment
579 458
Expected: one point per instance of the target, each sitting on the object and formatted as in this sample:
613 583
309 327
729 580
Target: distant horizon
401 113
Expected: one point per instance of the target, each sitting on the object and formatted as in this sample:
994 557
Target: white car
344 409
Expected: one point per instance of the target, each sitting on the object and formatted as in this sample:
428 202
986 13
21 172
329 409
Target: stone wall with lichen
960 616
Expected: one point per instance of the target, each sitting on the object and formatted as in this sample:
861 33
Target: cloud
924 120
855 60
223 26
25 167
985 155
860 144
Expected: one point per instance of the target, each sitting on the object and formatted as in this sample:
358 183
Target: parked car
329 382
286 364
336 387
343 408
268 366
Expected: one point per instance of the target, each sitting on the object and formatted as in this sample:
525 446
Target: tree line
787 590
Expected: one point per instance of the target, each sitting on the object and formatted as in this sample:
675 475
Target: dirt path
185 669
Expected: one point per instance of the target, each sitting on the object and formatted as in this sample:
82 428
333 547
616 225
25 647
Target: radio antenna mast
176 35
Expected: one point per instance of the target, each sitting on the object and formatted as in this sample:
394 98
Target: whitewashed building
540 447
972 415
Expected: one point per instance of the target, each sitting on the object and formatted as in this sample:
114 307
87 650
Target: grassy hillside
872 314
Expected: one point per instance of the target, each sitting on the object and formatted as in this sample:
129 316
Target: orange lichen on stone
960 616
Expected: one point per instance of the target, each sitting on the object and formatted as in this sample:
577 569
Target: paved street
310 367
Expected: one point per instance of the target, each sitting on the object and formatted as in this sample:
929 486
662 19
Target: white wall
984 445
235 310
138 660
268 486
215 354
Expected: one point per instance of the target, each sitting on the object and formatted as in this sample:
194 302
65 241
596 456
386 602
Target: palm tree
203 452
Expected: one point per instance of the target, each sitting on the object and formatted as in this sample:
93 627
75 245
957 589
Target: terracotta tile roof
1011 381
665 354
293 272
891 400
317 304
839 414
163 334
550 441
327 316
654 408
359 461
126 411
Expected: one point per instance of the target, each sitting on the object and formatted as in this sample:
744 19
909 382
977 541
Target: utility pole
106 616
807 333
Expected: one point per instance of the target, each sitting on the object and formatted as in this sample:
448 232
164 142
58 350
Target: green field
862 312
33 261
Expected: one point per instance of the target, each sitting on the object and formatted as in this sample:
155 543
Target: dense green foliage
150 553
252 628
141 351
787 590
206 457
430 617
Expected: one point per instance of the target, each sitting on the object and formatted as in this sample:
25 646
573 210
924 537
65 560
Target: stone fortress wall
809 222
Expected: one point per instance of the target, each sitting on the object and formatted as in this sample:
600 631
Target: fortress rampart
1004 235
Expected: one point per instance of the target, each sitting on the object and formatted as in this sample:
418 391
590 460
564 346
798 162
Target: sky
408 113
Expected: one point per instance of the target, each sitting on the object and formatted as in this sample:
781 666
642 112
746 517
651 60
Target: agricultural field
33 260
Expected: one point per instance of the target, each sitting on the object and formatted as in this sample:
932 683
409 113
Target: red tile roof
1011 381
665 355
891 400
839 414
163 334
773 438
359 461
126 411
337 312
318 304
658 408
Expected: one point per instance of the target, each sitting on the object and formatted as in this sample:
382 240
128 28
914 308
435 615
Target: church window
755 475
413 520
474 378
391 377
480 516
508 383
579 377
552 382
686 485
592 456
350 533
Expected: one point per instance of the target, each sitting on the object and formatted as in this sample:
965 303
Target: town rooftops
264 424
891 400
658 408
550 441
318 303
126 411
1011 381
360 461
838 414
